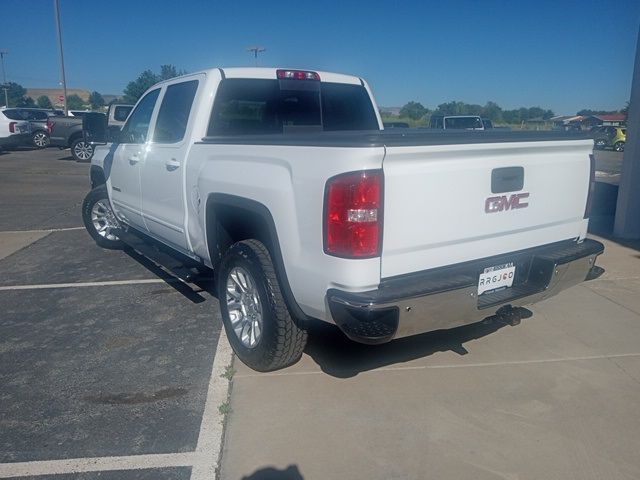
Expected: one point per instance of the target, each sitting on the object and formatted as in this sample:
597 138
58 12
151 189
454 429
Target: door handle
133 159
172 164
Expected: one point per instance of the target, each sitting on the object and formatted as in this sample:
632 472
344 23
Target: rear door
163 170
447 204
123 178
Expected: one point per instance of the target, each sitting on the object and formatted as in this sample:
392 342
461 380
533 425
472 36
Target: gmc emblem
501 203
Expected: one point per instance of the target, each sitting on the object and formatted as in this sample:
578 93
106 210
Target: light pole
64 80
256 51
4 78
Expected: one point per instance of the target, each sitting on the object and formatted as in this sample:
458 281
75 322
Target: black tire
600 144
281 341
40 139
99 199
619 146
80 151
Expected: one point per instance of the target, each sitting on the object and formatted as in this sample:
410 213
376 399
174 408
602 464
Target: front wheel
81 151
99 219
259 326
619 146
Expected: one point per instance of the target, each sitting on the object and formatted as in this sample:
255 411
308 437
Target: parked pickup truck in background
282 185
66 132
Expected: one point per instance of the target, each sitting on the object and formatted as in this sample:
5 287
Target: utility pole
4 79
64 80
256 51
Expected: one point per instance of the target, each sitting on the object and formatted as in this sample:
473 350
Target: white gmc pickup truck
282 185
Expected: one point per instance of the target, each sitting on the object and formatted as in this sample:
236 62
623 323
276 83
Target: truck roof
269 73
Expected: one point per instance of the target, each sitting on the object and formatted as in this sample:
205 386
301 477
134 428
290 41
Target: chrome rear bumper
447 297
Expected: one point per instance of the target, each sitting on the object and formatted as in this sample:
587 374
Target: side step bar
179 265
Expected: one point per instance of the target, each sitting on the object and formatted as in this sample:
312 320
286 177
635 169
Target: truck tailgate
441 208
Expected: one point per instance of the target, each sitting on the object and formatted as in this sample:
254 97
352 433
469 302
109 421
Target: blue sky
564 55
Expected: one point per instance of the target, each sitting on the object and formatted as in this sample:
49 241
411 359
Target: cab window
174 112
137 126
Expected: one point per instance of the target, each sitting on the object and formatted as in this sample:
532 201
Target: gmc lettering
502 202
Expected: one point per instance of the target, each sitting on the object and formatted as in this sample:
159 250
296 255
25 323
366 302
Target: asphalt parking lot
105 360
111 369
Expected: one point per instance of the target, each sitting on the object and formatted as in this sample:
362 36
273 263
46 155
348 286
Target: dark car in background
37 117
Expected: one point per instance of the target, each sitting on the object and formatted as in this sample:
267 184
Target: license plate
493 278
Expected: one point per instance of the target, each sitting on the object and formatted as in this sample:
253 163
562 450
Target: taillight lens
592 186
353 215
12 127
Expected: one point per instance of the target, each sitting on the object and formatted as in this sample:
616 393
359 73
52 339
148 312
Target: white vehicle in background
13 131
456 122
282 184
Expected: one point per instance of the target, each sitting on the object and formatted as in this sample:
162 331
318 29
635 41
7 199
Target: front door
129 154
163 171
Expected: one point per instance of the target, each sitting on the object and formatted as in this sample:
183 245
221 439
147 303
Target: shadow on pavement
270 473
179 286
340 357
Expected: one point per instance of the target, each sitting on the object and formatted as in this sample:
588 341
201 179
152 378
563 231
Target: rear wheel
81 150
619 146
99 219
259 326
40 139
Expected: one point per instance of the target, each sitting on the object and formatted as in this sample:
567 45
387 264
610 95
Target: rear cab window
463 122
262 106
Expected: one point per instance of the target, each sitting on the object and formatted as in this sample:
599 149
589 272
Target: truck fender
263 229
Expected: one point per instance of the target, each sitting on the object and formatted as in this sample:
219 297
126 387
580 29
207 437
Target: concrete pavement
556 397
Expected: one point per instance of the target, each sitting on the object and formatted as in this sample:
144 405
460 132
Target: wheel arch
230 219
97 176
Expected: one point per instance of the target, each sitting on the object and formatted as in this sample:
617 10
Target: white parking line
96 464
86 284
457 365
204 461
209 446
46 230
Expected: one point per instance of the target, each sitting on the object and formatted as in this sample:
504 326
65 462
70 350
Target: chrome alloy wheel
40 139
245 309
83 150
104 220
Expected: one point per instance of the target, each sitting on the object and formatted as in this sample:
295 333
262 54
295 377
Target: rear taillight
353 215
50 125
12 127
592 186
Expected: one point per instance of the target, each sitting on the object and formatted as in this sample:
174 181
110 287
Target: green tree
96 101
16 95
44 102
74 102
136 88
413 110
146 79
493 112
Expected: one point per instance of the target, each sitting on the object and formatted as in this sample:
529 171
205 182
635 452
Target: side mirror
94 128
